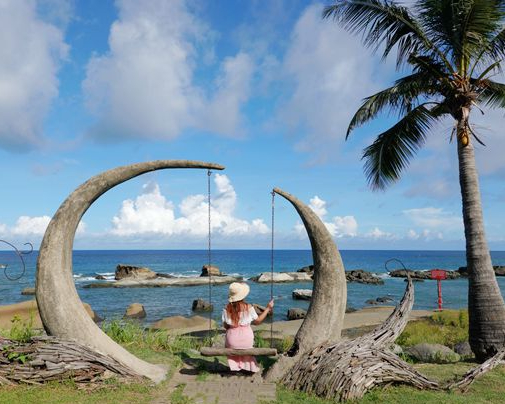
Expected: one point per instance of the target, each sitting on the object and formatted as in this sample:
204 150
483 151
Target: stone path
218 388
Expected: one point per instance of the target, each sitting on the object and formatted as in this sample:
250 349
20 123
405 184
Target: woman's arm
264 315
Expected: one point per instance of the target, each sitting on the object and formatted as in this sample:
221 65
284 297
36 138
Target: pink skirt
241 337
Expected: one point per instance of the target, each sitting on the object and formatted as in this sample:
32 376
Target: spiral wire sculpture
20 256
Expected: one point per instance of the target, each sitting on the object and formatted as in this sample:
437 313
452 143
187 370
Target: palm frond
491 94
461 27
400 98
492 51
391 152
383 22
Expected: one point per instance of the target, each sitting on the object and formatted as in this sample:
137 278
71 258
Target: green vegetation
448 328
161 347
21 330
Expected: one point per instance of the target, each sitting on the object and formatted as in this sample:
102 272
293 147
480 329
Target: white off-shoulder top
246 317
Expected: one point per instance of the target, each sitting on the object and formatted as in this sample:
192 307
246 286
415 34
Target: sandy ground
365 317
361 318
25 311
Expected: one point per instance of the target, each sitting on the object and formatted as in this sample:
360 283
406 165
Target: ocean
163 302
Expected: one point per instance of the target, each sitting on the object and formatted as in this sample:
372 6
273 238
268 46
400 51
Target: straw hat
238 291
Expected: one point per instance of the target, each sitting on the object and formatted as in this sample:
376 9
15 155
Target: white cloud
339 226
152 213
30 56
331 72
434 218
412 235
26 225
378 234
222 114
144 87
36 226
318 206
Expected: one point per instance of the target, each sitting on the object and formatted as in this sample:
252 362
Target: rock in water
212 270
379 300
201 305
361 276
133 272
28 291
499 270
100 278
302 294
135 310
308 269
433 353
260 309
296 314
280 277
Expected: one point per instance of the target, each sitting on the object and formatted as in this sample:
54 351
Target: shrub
446 328
22 331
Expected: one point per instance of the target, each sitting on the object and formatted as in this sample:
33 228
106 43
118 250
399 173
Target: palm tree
453 48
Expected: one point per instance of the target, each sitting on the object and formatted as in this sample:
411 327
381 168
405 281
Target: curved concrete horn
61 310
325 316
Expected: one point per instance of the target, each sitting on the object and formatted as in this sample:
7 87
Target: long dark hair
234 309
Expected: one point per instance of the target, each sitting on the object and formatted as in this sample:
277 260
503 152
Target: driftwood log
346 370
48 358
470 376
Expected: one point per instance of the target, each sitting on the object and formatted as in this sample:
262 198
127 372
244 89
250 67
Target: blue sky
265 88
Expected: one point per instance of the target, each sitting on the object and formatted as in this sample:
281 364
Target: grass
448 327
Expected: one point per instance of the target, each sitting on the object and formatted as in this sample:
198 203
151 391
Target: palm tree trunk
485 303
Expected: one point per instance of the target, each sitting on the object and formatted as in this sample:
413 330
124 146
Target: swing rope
210 351
209 256
272 271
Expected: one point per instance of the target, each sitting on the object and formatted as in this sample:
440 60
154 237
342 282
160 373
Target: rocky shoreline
128 276
461 272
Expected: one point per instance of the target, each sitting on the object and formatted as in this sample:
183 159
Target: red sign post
439 275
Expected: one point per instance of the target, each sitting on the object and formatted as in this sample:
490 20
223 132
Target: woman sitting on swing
237 319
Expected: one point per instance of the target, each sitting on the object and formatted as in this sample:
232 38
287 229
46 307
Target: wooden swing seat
208 351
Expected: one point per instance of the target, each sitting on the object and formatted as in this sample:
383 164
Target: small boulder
296 314
210 271
95 317
28 291
302 294
135 310
133 272
100 278
201 305
183 325
433 353
164 275
463 349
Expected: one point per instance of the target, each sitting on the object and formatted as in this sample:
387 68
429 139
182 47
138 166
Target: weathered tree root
49 358
348 369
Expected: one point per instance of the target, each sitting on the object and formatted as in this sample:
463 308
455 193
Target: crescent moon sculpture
326 311
61 310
